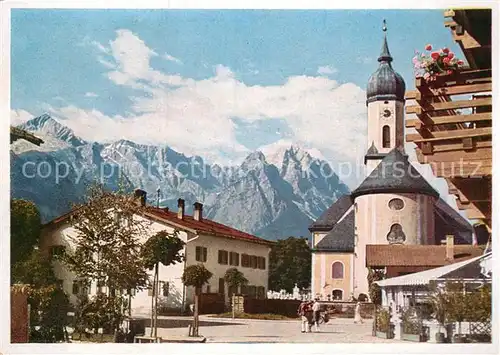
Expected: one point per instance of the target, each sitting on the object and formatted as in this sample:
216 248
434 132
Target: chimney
140 197
198 211
180 212
449 247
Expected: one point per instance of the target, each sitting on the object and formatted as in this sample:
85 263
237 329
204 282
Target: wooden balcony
450 119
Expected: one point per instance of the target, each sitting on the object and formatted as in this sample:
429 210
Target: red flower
435 55
460 62
446 60
446 50
428 47
450 72
451 55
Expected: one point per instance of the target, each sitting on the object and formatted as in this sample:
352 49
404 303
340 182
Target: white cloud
18 117
172 58
327 70
91 94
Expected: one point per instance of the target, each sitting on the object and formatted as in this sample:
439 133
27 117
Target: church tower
385 100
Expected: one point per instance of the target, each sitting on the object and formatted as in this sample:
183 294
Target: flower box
383 335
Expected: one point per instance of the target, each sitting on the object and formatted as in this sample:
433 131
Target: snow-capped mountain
274 193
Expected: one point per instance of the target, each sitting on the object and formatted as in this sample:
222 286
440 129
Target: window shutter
236 259
198 253
204 254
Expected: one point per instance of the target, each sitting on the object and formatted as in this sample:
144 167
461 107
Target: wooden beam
450 105
449 135
478 154
473 76
473 190
448 90
446 147
426 120
470 170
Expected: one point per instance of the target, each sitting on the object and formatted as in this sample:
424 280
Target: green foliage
411 322
457 305
374 289
48 302
480 305
163 247
196 275
102 311
235 278
290 264
25 226
383 320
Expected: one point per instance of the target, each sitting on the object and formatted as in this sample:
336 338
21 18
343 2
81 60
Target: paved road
266 331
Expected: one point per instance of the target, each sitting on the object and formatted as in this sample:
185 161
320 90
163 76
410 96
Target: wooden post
157 284
196 300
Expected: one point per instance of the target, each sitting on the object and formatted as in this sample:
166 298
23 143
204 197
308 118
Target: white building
217 246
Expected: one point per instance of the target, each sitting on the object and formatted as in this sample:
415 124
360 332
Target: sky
216 83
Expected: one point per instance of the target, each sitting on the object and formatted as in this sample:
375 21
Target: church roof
341 237
395 174
385 83
332 215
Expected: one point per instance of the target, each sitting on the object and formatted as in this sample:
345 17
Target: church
394 205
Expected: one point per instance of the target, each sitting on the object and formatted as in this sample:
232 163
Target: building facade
215 245
393 205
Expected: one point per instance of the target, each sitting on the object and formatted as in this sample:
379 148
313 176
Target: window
253 261
337 270
245 260
201 254
386 137
75 289
57 250
396 234
208 288
234 259
244 290
221 286
261 292
396 204
232 290
252 291
100 286
337 294
261 262
223 257
165 288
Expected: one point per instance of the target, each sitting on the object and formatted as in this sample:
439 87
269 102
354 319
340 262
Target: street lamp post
156 283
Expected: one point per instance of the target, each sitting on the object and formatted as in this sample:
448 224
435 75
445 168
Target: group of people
309 312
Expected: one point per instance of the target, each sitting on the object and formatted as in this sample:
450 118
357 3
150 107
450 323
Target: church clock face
386 113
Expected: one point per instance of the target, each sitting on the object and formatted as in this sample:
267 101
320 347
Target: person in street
357 313
316 314
302 314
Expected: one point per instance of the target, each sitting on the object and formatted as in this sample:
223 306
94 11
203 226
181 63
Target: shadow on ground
184 323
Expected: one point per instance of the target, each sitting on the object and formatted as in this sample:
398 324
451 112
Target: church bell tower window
386 137
396 234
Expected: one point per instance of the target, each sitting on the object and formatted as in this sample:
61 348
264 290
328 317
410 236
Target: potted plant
457 307
383 326
438 302
430 64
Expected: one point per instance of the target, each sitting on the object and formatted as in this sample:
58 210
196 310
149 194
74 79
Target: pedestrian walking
304 320
357 313
316 307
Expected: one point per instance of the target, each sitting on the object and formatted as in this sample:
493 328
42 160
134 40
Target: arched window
337 294
337 270
396 234
386 137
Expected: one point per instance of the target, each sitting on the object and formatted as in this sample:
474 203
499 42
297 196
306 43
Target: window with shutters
234 259
253 261
245 260
261 262
201 254
221 286
223 256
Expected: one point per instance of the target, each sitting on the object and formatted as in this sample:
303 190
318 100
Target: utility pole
157 284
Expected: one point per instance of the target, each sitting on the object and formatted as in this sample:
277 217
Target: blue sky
209 82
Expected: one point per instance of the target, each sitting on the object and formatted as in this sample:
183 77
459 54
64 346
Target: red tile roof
205 226
417 255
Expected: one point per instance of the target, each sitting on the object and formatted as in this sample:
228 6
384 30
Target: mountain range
273 193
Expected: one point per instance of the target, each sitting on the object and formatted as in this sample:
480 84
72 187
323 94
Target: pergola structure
452 117
17 133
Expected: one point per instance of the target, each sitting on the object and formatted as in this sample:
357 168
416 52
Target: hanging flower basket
433 66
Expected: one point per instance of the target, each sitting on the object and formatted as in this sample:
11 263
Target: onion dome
385 83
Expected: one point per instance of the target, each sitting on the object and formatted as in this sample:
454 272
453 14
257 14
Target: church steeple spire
385 55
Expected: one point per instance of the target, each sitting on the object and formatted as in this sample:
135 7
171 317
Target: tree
106 247
48 302
25 227
290 264
165 248
373 288
196 276
234 278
